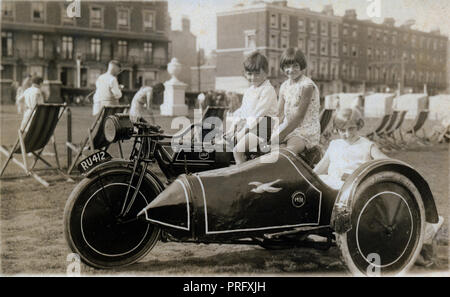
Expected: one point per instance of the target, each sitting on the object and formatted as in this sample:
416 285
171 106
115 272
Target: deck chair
378 137
418 125
95 140
325 119
388 136
381 126
38 131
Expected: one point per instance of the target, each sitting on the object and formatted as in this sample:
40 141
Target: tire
388 220
91 227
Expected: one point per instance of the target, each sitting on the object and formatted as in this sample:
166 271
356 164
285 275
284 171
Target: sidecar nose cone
170 208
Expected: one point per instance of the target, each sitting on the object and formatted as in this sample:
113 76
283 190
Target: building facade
344 54
39 38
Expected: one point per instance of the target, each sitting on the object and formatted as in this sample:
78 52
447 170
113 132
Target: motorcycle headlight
118 127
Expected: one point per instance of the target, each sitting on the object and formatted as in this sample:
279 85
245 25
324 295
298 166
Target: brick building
271 28
184 48
39 38
344 54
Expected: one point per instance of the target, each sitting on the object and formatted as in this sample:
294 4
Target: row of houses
344 53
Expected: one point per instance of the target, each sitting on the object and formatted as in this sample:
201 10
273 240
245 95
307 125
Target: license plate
93 160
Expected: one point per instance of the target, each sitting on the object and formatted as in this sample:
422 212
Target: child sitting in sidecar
260 100
346 154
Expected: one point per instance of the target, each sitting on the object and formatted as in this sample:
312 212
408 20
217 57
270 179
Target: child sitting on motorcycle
259 100
346 154
298 106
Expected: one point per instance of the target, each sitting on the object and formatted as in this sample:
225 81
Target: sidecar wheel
93 228
388 218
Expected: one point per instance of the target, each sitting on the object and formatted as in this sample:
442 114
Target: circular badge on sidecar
298 199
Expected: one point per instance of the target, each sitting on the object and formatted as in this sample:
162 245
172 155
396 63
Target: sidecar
378 215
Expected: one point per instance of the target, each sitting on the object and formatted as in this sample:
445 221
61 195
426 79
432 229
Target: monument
174 94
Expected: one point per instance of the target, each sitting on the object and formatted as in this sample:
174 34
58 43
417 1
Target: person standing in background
108 91
20 102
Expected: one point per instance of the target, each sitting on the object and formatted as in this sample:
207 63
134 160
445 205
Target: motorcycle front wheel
94 228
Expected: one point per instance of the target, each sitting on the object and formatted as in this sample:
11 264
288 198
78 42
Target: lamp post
78 71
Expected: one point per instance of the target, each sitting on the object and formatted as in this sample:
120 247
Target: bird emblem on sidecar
264 187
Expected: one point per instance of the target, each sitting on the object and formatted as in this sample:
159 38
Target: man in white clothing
108 91
32 96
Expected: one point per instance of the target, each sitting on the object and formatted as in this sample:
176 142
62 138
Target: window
354 51
284 40
284 22
37 45
334 70
96 16
354 71
313 26
273 66
369 33
149 20
7 10
345 49
96 47
355 31
405 37
378 35
37 71
301 25
65 19
313 69
344 70
273 42
7 44
148 51
394 38
67 47
394 53
413 40
123 49
334 30
324 68
301 44
122 17
274 20
313 46
324 47
250 39
334 49
345 30
385 53
37 11
324 28
369 52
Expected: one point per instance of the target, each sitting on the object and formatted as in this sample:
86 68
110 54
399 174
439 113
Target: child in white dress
260 100
298 106
346 154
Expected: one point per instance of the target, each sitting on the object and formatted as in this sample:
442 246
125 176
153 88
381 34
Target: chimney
350 14
389 22
328 10
185 24
408 24
282 3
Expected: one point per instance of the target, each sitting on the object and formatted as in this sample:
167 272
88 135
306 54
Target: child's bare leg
248 143
296 144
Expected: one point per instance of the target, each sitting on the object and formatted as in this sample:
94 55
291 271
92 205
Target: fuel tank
273 192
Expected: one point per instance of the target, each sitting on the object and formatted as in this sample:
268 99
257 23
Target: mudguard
120 163
342 210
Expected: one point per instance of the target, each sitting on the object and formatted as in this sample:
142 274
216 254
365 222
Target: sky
428 14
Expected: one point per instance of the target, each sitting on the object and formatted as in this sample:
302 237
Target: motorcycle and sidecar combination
121 209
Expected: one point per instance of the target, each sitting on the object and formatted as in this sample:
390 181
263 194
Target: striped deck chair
418 125
378 137
95 140
38 131
388 135
381 126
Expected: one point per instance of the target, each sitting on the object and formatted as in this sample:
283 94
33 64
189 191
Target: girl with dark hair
298 105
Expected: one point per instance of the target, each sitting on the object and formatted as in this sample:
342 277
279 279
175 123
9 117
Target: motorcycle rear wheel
93 228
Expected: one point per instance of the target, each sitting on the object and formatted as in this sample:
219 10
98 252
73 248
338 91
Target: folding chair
389 125
418 124
381 126
33 138
95 140
388 136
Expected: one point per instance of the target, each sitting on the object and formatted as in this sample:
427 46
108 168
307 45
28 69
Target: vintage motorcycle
121 209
